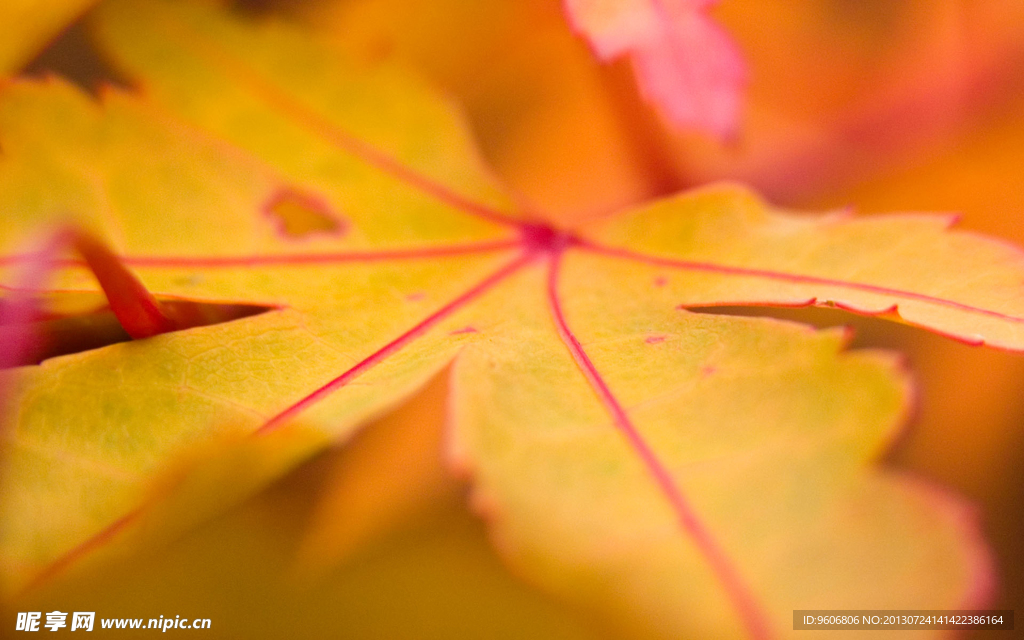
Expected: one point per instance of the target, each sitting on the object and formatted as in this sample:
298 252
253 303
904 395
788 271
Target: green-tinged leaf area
681 474
95 429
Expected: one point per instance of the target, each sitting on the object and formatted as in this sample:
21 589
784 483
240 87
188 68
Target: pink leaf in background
685 65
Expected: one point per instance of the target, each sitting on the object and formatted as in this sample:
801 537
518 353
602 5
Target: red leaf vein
395 345
293 259
750 611
711 267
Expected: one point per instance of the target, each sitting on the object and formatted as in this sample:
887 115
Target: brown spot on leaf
416 296
463 330
298 215
660 281
655 339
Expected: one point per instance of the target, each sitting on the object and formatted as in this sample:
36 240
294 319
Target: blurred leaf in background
27 25
430 574
685 65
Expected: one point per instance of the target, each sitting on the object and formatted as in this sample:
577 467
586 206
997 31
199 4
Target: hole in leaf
59 334
298 215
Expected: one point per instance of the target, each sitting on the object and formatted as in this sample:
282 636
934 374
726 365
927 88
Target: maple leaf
684 63
692 474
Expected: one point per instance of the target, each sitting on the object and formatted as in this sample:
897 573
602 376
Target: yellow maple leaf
689 473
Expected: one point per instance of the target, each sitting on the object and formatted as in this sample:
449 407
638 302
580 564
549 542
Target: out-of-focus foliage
686 66
27 25
839 92
433 578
